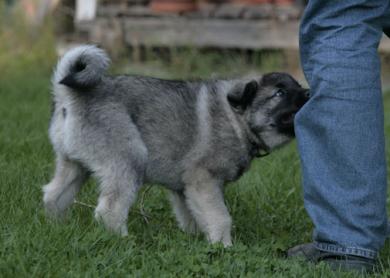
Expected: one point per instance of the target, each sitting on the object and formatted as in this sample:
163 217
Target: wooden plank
245 34
197 32
229 11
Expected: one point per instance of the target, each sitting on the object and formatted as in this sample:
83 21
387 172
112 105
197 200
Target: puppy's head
269 106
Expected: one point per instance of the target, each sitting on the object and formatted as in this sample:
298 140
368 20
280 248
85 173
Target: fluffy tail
81 67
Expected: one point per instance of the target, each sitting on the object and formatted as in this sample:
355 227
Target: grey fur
82 66
191 137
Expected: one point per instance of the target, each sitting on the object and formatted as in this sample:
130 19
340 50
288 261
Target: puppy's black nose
302 98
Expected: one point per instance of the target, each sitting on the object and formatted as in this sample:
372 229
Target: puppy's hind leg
120 182
121 172
183 215
59 194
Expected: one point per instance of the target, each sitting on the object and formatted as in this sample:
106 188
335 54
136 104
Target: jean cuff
354 251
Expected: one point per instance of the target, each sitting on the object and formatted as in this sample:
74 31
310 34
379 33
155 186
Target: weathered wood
196 32
229 11
245 34
261 12
134 11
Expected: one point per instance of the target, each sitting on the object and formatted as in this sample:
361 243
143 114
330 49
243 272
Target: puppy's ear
240 97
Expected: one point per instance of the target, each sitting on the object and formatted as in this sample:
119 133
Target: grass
266 203
266 206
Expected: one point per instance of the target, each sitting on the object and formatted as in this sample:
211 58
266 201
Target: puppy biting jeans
191 137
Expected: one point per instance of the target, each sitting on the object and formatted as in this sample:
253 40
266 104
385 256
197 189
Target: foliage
24 47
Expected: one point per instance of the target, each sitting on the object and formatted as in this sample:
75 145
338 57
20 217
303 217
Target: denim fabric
340 130
386 22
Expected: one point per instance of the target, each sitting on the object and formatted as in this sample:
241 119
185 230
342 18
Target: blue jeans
340 130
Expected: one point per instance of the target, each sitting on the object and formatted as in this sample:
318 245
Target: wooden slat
244 34
224 33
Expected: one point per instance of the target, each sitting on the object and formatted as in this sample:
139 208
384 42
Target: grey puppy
190 136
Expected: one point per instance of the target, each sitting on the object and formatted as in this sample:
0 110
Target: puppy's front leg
204 196
120 166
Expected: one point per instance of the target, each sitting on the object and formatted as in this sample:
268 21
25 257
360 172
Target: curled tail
81 67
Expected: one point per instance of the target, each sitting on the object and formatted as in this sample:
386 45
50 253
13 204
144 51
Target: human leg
340 130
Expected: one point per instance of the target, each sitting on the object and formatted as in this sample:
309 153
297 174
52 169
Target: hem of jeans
342 250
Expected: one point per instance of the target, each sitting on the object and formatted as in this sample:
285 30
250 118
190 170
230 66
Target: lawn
266 203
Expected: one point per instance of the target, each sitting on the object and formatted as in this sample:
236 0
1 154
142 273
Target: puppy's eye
280 93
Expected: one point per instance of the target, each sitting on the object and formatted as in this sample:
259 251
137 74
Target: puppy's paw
123 231
53 208
190 227
227 243
220 233
112 222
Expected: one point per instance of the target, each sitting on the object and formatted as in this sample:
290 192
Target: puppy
189 136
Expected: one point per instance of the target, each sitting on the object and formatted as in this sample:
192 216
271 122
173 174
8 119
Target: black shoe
310 253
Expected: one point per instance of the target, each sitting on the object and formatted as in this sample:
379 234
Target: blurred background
164 38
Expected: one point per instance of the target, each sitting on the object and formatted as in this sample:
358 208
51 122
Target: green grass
266 203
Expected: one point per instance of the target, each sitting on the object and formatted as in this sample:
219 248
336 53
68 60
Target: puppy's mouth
285 119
